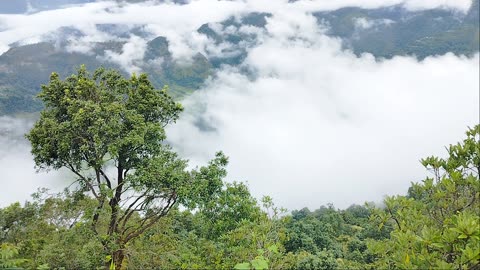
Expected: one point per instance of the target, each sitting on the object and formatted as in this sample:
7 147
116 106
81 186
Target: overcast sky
316 125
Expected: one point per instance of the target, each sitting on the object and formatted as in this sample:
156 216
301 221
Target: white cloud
320 125
19 178
364 23
132 53
461 5
176 22
83 43
315 125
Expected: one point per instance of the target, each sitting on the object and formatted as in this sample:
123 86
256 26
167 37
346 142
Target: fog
319 125
176 22
301 119
19 178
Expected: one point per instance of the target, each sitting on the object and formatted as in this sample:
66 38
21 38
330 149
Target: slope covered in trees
135 205
25 68
384 32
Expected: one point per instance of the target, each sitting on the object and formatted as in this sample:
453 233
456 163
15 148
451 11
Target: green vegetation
393 31
93 123
135 205
437 224
24 68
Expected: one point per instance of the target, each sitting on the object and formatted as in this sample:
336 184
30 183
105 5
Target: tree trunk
118 258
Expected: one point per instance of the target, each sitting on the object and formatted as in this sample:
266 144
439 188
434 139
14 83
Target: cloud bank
319 125
175 21
301 119
18 177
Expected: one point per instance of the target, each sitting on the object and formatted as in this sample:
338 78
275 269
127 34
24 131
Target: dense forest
135 204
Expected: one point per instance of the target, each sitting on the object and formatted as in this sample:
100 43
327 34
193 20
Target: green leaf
407 259
273 248
259 263
242 266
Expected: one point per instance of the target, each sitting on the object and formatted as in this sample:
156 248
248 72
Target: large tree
109 131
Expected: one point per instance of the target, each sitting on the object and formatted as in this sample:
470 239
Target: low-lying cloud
177 22
319 125
18 175
301 119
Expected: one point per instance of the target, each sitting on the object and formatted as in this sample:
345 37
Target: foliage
394 31
135 204
322 260
436 225
109 132
8 257
230 207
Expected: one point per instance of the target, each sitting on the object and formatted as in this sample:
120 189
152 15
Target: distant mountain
387 32
163 69
383 32
24 68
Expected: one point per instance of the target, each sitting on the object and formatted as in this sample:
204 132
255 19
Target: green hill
383 32
23 69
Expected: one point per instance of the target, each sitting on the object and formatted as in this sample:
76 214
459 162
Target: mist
302 119
177 22
19 177
319 125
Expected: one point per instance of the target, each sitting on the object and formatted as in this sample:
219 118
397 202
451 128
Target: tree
109 131
8 254
229 208
436 225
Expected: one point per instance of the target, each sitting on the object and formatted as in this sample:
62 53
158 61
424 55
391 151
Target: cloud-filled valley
303 118
321 126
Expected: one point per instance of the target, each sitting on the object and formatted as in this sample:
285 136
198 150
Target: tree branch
130 210
85 180
109 183
145 226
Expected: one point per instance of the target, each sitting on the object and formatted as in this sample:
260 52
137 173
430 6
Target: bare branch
109 183
84 179
149 221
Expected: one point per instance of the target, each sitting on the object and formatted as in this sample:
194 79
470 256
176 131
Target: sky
315 125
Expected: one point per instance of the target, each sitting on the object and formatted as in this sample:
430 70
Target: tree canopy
108 130
437 224
135 204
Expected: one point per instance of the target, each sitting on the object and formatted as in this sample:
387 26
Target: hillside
24 68
383 32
